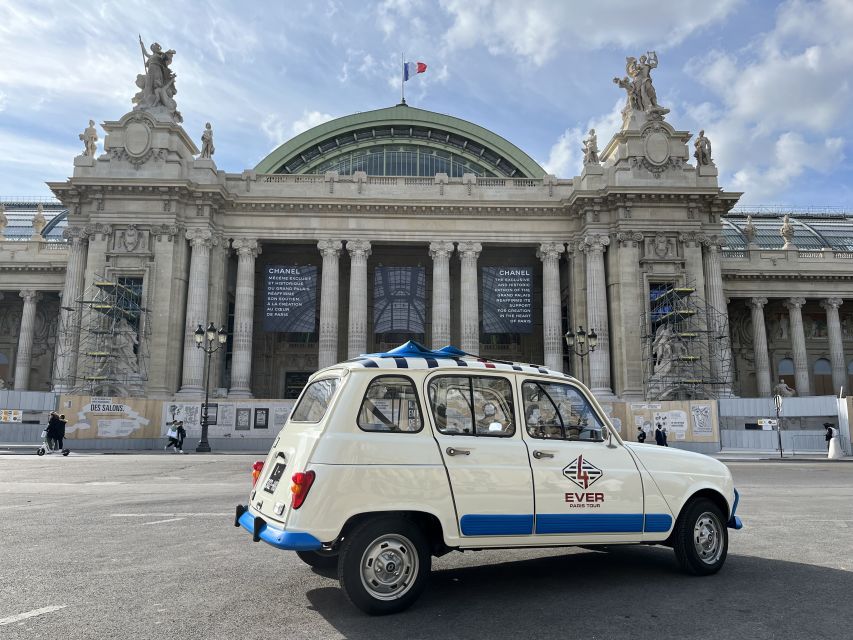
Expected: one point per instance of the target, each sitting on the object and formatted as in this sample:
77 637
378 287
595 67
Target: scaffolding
686 351
103 336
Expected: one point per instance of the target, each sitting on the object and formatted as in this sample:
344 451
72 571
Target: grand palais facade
399 224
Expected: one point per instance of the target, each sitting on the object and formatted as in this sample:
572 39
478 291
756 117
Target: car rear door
587 487
475 424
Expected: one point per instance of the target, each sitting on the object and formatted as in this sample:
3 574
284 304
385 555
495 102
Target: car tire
319 559
384 565
40 451
700 538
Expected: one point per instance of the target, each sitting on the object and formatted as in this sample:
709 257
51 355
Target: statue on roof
39 222
207 147
590 149
703 150
90 140
749 230
638 84
787 232
157 84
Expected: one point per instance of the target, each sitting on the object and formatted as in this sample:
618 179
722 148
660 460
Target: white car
390 459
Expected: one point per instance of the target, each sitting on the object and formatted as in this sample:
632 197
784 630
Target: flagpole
402 80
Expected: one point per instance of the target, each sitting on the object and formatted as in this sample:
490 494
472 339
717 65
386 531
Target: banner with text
399 299
291 299
507 299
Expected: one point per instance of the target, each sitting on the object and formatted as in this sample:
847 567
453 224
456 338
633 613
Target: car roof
412 355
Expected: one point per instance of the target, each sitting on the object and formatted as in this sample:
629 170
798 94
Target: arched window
823 377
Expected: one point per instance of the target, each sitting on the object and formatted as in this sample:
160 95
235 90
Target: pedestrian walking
641 435
828 435
52 431
176 435
665 443
60 431
659 441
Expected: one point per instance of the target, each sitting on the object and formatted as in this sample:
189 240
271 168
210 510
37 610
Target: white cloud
537 29
3 101
566 156
309 120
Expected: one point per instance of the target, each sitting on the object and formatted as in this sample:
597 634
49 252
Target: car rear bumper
277 537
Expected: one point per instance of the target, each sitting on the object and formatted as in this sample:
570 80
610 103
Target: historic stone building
402 223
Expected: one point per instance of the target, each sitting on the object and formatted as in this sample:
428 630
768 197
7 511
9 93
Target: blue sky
770 82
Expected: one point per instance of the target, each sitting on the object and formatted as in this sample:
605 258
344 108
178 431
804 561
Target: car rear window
390 404
315 401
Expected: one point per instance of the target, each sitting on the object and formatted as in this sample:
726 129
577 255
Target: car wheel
384 565
700 539
319 559
40 451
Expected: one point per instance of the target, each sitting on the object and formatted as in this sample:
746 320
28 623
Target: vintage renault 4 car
392 458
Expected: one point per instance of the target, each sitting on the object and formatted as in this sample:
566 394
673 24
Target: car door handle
542 454
457 452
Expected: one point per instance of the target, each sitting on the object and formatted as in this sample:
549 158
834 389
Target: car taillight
257 467
301 485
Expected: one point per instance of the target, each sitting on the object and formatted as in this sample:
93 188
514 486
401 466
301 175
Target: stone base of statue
84 161
707 170
204 163
161 113
592 176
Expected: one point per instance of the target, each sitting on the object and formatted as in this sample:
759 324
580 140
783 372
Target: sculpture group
157 84
638 84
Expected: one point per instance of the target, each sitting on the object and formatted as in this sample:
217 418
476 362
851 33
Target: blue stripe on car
550 523
290 540
657 523
497 525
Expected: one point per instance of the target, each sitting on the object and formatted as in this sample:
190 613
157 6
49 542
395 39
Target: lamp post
581 344
777 400
215 341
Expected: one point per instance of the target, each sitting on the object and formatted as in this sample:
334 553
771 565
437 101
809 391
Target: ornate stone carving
782 389
757 303
329 248
39 223
590 149
638 85
200 237
629 239
593 242
90 140
662 246
749 230
703 150
167 230
833 303
468 250
794 303
157 84
550 251
207 147
132 239
75 234
121 153
98 230
246 247
440 249
787 233
358 248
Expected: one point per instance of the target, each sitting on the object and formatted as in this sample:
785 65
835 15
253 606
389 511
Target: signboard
507 299
11 415
290 299
399 299
768 424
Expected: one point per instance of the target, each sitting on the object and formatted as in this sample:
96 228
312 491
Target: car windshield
315 400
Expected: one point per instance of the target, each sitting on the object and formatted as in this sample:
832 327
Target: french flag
412 69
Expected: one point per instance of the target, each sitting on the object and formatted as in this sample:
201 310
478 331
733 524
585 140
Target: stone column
440 253
759 347
217 305
836 347
68 340
549 254
798 344
593 245
721 357
359 251
469 315
328 352
244 318
201 240
25 339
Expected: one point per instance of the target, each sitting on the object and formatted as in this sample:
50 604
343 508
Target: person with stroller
176 435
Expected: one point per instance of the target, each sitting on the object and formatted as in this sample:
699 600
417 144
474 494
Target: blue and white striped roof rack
412 355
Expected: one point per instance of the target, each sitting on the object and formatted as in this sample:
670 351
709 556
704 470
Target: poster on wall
262 418
702 425
290 298
674 422
507 299
399 299
244 416
212 412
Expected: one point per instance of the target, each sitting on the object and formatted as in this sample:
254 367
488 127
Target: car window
472 405
390 404
315 400
554 410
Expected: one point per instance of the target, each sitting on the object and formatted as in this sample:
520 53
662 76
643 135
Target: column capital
711 242
200 237
757 303
75 234
469 250
831 302
594 242
629 239
30 295
329 248
795 303
550 251
358 248
440 249
246 247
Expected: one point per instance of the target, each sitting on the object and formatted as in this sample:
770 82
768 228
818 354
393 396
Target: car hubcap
708 538
389 566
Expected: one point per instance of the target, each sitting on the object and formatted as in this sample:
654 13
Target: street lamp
215 341
581 344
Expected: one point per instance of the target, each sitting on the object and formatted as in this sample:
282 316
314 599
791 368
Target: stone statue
157 84
703 150
90 140
207 148
641 91
130 238
590 149
3 386
124 348
782 389
749 230
787 232
662 350
4 221
39 223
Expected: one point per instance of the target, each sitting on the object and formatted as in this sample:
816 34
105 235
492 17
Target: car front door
587 485
475 424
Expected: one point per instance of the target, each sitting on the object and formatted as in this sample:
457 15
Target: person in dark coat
641 435
52 430
665 443
659 437
60 431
